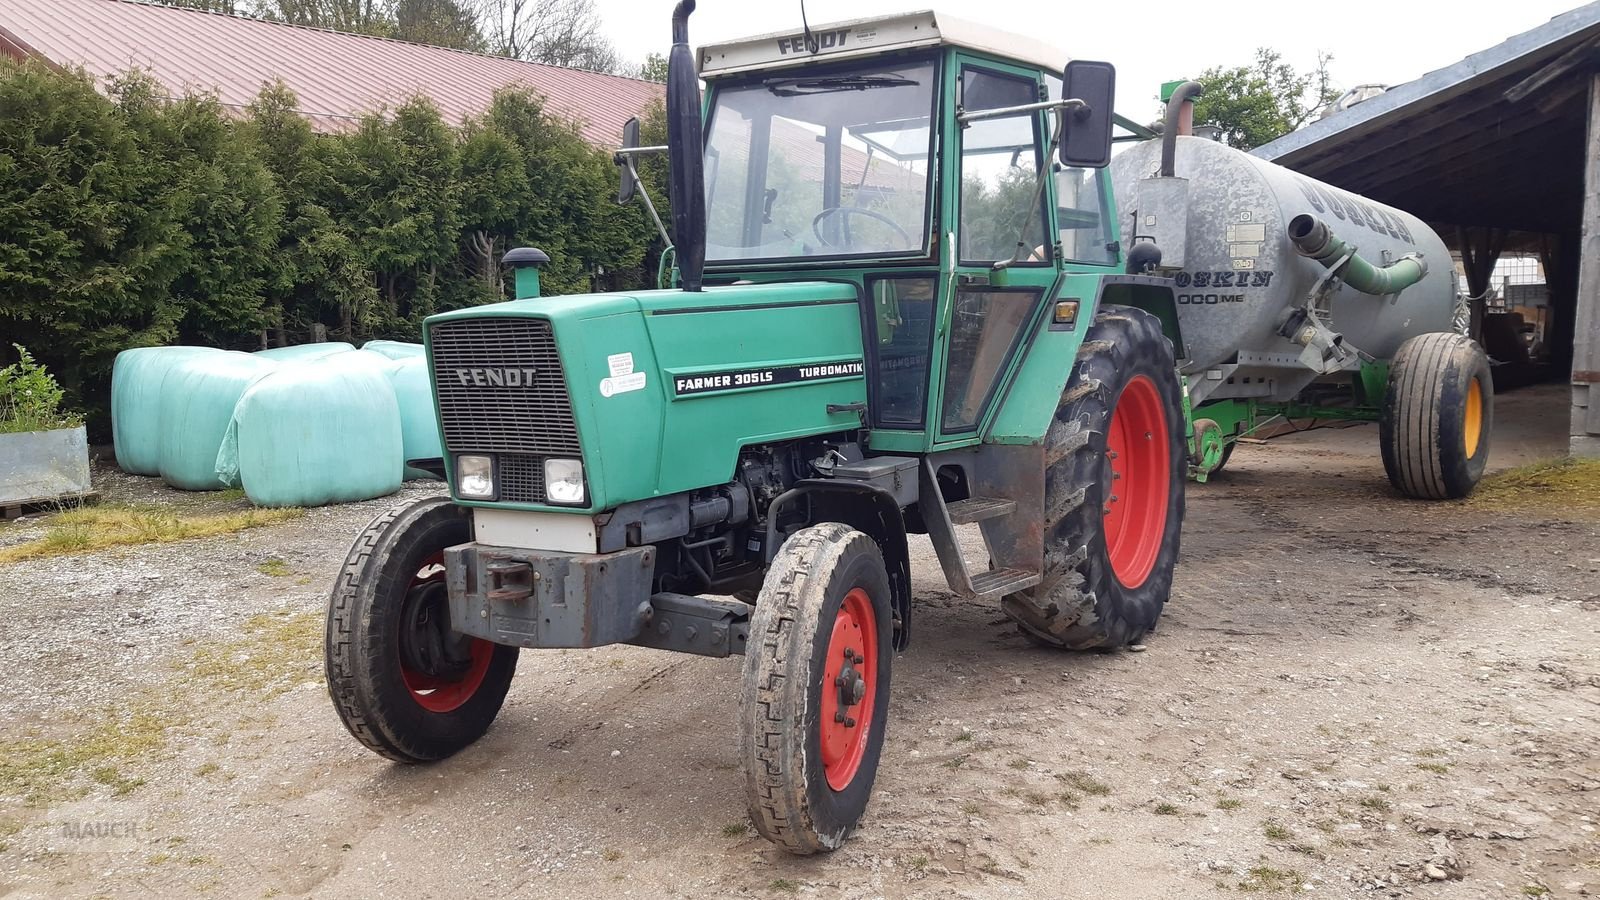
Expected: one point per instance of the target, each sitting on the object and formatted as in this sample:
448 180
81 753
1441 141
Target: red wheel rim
1140 460
441 695
849 682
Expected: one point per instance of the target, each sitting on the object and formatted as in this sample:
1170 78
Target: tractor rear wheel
1437 415
816 688
404 683
1116 466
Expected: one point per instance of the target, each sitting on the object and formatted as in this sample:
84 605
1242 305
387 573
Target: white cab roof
869 37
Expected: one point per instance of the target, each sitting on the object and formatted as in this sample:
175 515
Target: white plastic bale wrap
306 352
136 390
394 349
419 422
198 397
316 433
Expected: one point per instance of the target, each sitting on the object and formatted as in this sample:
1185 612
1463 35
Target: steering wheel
854 211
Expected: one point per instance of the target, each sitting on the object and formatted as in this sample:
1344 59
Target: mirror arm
626 159
1038 192
1000 112
626 152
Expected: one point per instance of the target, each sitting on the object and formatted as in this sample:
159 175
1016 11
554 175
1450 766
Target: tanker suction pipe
1313 239
1181 98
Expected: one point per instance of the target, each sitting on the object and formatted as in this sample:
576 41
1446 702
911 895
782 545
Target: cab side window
999 168
1081 216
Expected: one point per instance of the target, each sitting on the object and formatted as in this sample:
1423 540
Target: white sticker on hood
622 384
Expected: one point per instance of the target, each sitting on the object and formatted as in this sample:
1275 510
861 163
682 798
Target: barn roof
1494 140
338 77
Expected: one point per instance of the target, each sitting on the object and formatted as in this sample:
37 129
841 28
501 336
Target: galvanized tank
1222 225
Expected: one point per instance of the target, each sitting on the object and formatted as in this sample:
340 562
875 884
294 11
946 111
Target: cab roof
869 37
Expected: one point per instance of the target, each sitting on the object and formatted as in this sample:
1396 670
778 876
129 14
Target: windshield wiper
795 87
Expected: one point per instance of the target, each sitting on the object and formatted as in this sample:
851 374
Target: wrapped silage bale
317 433
306 352
419 424
394 349
197 400
136 380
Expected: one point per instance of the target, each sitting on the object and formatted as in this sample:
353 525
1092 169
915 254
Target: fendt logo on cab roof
496 377
826 40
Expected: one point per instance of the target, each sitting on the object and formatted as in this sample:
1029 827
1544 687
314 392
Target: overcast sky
1384 41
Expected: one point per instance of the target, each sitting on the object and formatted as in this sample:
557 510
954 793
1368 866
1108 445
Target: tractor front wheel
1116 469
404 683
816 688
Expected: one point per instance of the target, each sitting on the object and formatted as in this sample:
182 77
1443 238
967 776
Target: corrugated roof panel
338 77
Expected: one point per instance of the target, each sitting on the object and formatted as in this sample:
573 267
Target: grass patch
919 862
1276 832
963 737
1228 803
1166 809
275 653
1018 764
1435 768
1377 804
1556 483
956 762
1086 783
785 885
735 829
1535 890
92 528
970 808
1264 879
275 568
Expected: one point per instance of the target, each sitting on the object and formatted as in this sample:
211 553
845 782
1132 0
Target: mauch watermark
89 828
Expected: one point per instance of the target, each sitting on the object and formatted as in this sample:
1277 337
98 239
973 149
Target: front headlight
475 477
563 481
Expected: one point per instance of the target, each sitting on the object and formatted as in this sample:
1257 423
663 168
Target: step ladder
941 518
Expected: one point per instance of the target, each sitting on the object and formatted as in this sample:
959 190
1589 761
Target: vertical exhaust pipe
686 142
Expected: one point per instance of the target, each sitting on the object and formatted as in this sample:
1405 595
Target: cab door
1002 262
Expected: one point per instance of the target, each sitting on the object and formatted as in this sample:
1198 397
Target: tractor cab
952 173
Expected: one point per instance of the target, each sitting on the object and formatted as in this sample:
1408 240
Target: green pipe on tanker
1314 239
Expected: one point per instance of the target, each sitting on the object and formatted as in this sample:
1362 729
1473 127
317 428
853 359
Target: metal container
39 466
1222 225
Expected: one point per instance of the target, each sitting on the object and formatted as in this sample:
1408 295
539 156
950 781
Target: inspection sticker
622 384
621 364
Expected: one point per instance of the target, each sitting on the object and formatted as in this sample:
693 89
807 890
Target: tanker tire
360 650
1081 604
790 799
1424 426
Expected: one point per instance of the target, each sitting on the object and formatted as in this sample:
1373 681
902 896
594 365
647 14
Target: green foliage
137 220
30 399
1263 101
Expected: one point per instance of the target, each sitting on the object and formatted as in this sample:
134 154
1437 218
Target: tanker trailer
1300 301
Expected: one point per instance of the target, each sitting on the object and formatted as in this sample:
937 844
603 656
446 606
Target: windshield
824 164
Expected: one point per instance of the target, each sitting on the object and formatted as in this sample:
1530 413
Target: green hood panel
667 386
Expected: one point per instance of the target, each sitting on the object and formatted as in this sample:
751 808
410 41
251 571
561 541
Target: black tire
1426 426
1082 603
363 651
781 705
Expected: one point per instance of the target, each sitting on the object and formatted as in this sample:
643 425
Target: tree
442 23
654 68
556 32
1261 102
374 17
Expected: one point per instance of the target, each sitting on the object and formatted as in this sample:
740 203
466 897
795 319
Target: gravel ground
1351 696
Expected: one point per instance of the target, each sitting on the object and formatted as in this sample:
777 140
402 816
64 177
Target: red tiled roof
338 77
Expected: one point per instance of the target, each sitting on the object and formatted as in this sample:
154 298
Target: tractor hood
656 390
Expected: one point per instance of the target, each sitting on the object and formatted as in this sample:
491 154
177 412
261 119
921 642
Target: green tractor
898 304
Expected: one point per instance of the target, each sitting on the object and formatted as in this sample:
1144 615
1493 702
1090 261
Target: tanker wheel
403 682
1116 467
816 688
1437 415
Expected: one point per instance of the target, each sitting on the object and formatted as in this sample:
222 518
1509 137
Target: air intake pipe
1311 238
686 146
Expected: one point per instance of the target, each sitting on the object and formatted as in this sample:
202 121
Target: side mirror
630 139
1086 130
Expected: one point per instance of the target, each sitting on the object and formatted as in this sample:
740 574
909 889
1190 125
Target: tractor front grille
502 392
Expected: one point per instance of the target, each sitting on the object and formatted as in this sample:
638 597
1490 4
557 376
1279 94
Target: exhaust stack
686 143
